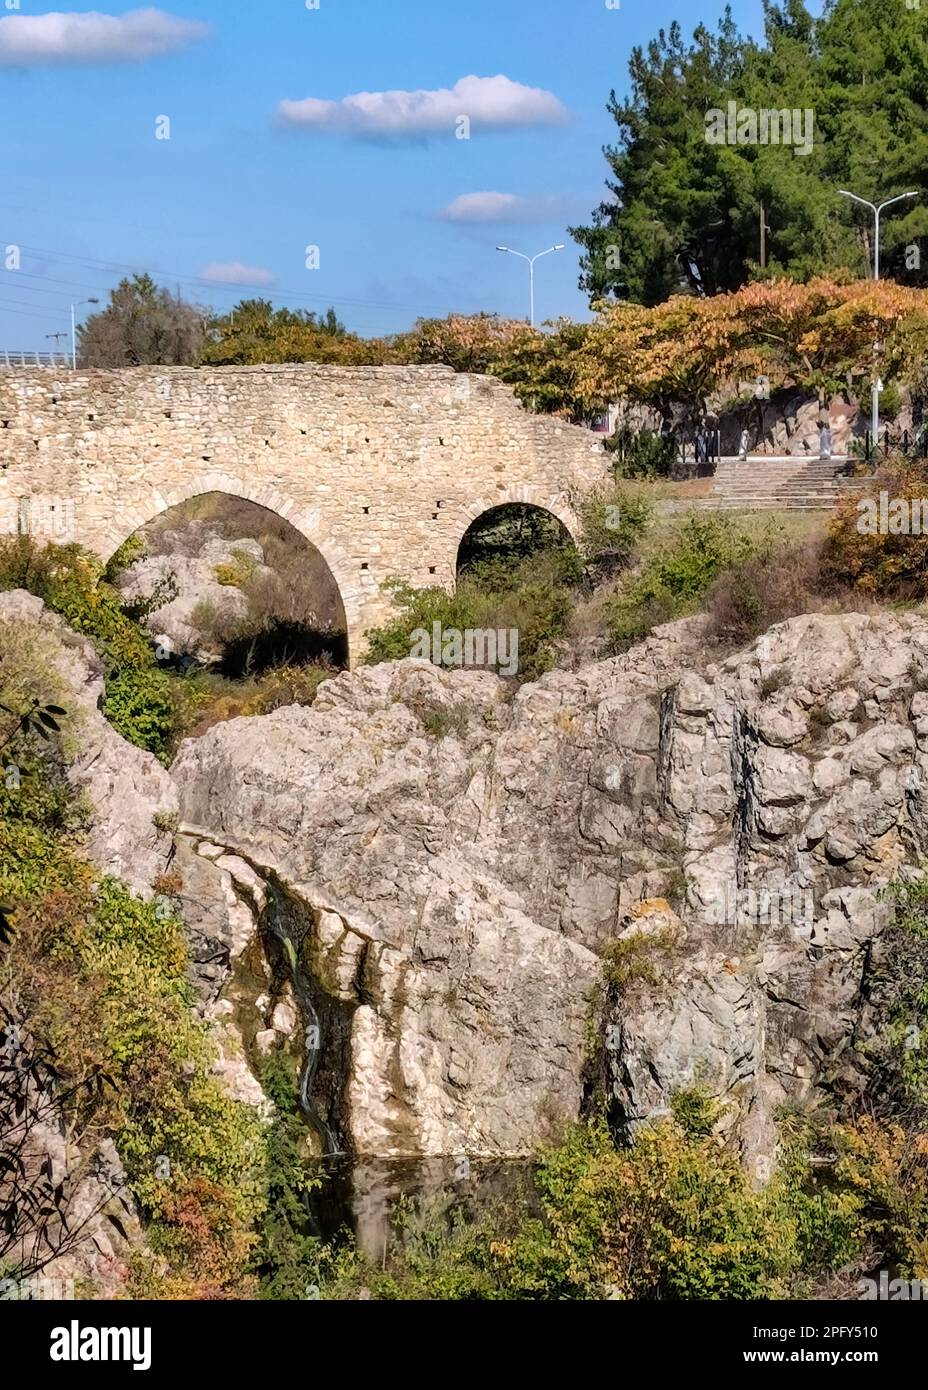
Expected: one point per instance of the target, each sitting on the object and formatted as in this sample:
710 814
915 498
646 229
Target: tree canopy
683 215
819 336
254 332
143 325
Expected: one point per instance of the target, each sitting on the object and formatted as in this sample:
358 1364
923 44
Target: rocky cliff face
126 787
453 861
460 857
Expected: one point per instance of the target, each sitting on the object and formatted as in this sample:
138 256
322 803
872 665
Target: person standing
824 440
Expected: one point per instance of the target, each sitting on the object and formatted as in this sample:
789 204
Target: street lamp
531 271
74 330
876 210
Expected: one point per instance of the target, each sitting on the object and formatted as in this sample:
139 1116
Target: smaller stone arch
557 503
307 521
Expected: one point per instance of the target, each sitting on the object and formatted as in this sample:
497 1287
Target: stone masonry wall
382 468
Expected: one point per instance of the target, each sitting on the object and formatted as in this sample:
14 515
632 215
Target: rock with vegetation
129 792
460 913
455 1020
191 600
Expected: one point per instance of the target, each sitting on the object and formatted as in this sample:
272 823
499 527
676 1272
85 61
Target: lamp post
74 330
876 209
531 271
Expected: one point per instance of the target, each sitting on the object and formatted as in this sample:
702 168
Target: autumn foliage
878 540
818 337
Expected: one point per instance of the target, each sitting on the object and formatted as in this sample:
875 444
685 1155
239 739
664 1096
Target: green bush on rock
70 581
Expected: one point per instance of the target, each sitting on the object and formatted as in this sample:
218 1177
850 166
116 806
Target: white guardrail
34 359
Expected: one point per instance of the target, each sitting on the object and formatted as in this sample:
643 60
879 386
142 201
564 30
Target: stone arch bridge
381 468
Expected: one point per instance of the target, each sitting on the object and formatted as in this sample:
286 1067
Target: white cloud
73 39
499 207
490 103
234 273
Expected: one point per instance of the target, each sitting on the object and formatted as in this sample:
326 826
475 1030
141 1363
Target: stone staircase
777 482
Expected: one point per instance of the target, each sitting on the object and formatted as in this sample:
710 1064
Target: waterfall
290 924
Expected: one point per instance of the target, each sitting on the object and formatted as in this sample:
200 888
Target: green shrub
614 523
898 1049
673 1216
676 576
134 548
641 957
882 556
101 979
140 704
533 596
203 698
286 1257
641 453
70 581
237 574
886 1165
777 583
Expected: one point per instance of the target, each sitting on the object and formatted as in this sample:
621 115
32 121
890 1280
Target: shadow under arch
527 495
512 531
305 521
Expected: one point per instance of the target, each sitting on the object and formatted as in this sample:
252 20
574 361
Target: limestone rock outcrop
459 857
201 604
129 790
468 905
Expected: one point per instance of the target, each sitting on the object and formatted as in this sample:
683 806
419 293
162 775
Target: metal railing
910 444
34 359
702 447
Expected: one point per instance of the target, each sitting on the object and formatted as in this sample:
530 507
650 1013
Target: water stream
325 1021
313 1051
362 1195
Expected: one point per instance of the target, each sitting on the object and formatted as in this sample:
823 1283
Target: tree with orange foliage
466 342
818 337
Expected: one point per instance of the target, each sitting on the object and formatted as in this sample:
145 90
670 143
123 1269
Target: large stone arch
307 521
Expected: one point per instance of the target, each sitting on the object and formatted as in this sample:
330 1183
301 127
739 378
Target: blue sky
239 190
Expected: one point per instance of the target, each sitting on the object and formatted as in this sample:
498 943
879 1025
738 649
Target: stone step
827 499
727 470
774 492
732 473
835 460
771 504
772 484
726 485
768 504
774 472
809 461
794 480
777 482
738 479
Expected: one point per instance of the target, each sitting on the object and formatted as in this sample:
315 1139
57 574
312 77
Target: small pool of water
362 1195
